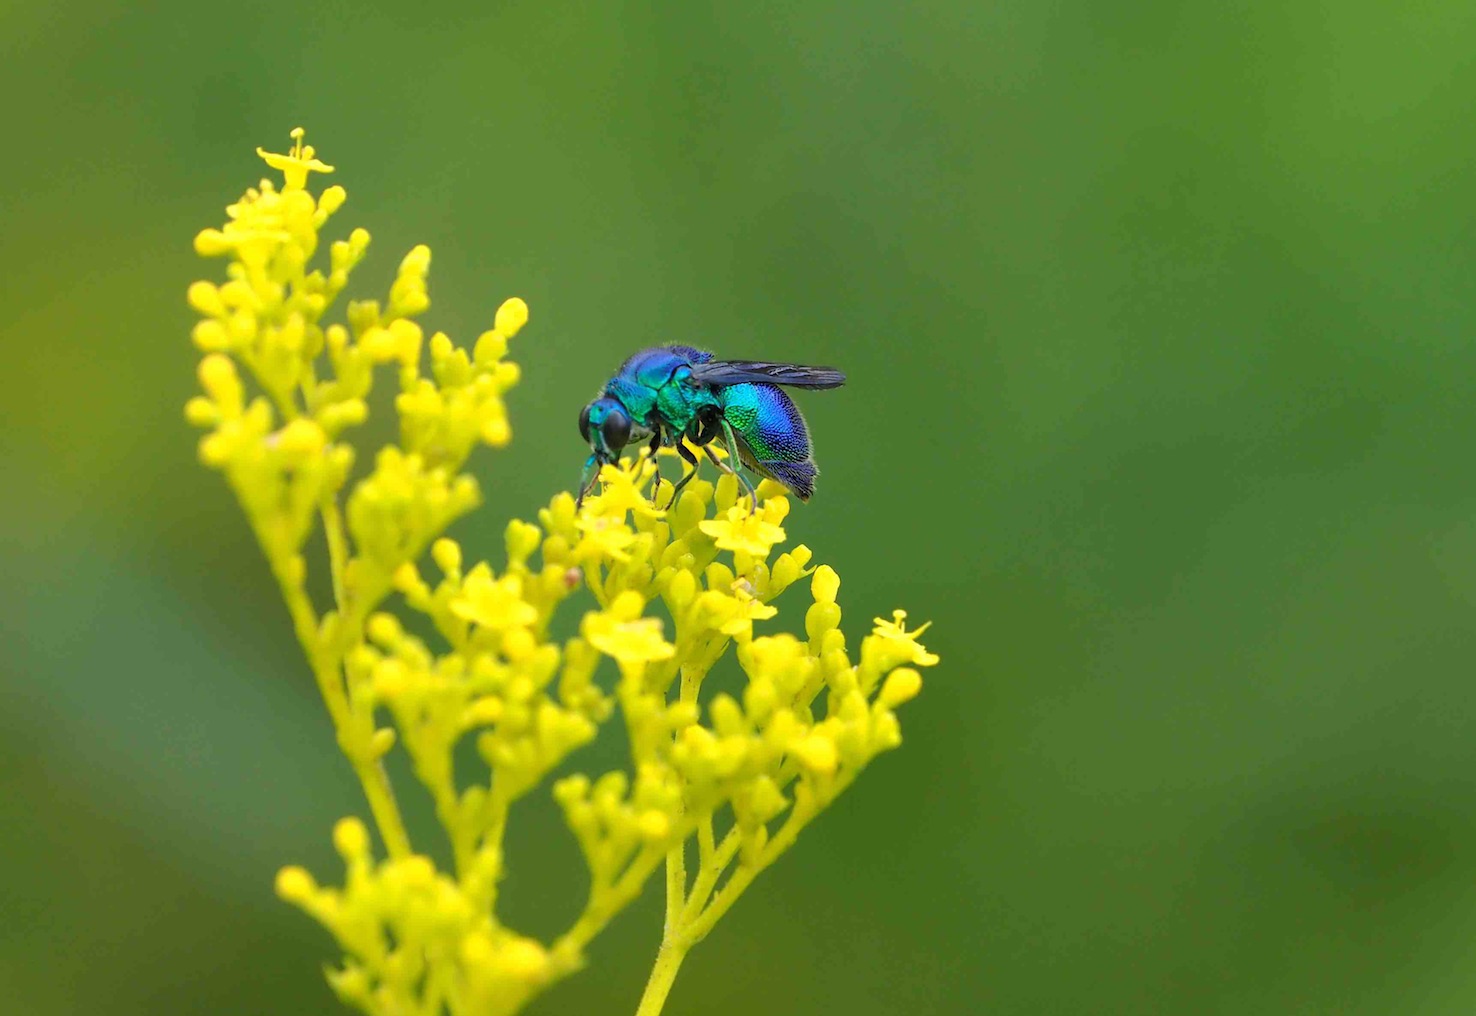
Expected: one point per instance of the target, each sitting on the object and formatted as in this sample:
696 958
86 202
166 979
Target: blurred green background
1158 318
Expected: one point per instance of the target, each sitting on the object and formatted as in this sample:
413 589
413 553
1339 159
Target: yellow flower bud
825 584
351 839
205 298
900 686
816 753
447 555
301 437
654 826
511 317
295 885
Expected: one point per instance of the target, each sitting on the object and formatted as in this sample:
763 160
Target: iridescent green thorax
655 387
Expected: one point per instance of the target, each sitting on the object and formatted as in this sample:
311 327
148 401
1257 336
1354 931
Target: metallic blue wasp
668 393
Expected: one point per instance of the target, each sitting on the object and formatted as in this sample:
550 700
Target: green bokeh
1159 325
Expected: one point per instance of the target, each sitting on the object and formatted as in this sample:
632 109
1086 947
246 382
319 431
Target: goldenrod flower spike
282 393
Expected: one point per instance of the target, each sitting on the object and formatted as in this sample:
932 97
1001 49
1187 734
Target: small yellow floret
298 164
351 839
655 825
902 685
817 753
494 603
511 317
524 959
743 531
895 631
301 437
825 584
294 884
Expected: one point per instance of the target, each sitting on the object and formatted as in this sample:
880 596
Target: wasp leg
654 447
587 481
723 467
732 443
686 454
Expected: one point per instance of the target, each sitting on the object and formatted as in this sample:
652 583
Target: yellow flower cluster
759 765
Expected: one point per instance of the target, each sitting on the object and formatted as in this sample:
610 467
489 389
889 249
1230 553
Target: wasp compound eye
584 424
616 430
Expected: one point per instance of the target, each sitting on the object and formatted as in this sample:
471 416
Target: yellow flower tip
896 631
447 555
496 432
297 164
384 629
522 539
772 490
511 317
483 712
654 825
212 243
518 644
205 298
418 871
417 262
382 741
390 680
218 377
902 685
825 584
332 200
681 589
351 839
301 437
817 753
210 336
295 885
201 412
627 606
406 577
524 960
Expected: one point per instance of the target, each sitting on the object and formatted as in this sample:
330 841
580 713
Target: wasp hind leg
736 464
690 459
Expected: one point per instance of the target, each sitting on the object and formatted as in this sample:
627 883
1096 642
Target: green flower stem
663 974
337 549
676 882
326 670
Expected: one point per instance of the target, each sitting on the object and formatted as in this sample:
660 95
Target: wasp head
606 426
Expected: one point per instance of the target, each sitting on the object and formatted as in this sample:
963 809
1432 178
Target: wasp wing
795 375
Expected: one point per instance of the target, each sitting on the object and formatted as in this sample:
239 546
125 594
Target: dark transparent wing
795 375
